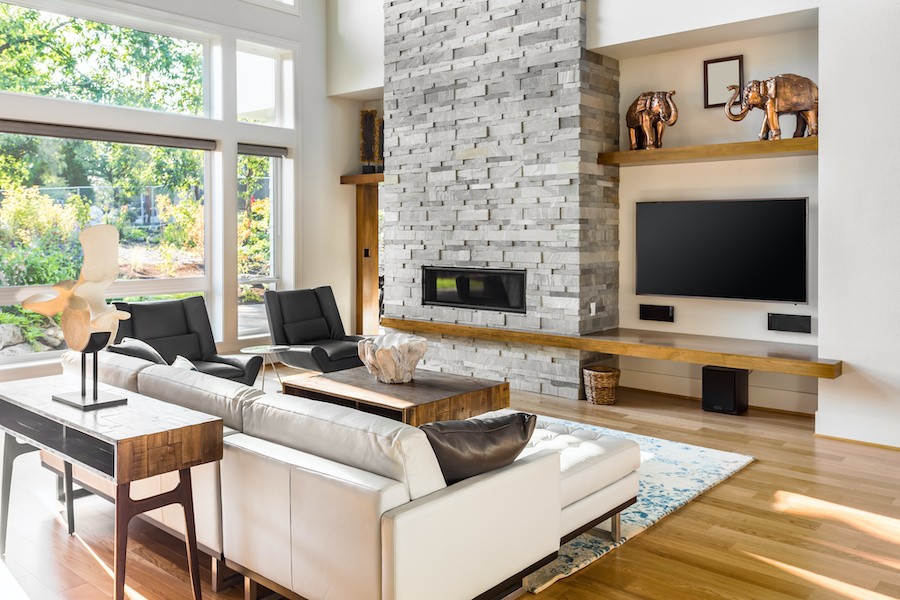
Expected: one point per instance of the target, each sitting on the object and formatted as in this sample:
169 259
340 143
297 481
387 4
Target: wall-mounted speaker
726 390
656 312
795 323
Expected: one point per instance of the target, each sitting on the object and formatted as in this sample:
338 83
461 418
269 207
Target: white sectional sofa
326 502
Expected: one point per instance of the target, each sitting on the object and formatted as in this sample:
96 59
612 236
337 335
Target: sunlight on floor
879 526
129 593
846 590
9 586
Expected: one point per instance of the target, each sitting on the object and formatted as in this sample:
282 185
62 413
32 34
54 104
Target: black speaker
725 390
655 312
795 323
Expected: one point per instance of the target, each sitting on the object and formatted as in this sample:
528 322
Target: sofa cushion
376 444
198 391
590 460
117 370
138 349
465 448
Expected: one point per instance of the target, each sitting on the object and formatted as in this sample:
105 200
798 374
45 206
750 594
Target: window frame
292 8
275 210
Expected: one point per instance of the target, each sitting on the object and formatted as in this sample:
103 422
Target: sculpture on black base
88 322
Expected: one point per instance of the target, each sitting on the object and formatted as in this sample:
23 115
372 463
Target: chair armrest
250 364
354 338
451 535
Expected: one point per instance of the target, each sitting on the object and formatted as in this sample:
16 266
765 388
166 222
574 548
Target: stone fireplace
494 116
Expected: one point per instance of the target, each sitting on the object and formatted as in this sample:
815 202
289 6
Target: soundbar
794 323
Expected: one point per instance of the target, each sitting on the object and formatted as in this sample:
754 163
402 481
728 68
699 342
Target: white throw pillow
181 362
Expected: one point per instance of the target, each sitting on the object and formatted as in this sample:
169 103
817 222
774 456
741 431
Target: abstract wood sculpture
393 357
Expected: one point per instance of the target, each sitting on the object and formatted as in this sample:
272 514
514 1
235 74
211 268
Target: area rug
671 475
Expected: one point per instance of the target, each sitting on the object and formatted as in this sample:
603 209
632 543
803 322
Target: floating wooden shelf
710 152
774 357
363 179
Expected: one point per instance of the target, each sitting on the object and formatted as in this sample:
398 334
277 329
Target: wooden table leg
11 450
127 509
190 538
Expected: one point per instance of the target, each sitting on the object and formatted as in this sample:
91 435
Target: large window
257 211
47 54
132 128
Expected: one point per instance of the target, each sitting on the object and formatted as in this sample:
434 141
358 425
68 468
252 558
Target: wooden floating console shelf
774 357
711 152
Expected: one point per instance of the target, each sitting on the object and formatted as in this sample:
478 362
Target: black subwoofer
725 390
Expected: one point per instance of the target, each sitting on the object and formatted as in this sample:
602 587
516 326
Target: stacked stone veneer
494 116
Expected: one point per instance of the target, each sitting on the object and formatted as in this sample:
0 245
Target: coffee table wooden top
357 384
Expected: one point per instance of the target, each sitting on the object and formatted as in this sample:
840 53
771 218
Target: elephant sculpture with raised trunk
785 93
647 118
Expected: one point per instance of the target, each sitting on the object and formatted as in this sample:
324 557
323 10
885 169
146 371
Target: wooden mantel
774 357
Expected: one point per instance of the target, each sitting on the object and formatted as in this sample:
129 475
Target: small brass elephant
785 93
647 118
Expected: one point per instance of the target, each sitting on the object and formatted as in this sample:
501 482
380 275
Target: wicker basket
600 384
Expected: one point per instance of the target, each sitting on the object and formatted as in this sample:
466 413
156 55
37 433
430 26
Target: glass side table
267 352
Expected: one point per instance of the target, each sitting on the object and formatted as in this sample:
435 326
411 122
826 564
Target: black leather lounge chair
181 327
309 322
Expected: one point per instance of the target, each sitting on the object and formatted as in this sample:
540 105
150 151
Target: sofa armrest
303 521
451 536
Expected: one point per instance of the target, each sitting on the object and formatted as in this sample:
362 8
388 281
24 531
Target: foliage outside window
256 265
52 188
46 54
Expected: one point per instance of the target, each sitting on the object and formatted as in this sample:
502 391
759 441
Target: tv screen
745 249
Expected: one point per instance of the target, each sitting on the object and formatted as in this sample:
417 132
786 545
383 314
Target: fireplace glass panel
489 289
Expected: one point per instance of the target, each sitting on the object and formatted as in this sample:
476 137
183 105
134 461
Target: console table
143 438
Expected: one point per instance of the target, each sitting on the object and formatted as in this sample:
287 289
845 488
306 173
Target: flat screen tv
741 249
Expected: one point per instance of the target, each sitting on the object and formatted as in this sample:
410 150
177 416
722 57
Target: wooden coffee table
431 396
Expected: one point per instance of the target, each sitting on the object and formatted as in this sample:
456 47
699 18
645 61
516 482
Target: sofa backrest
376 444
113 369
198 391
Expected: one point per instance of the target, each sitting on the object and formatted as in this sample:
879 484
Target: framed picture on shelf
718 74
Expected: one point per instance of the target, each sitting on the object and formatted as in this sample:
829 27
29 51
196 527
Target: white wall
356 48
793 52
859 249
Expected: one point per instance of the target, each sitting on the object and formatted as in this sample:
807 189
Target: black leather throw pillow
473 446
138 349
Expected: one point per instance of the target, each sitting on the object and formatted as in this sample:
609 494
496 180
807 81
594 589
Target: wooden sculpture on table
787 93
647 118
88 322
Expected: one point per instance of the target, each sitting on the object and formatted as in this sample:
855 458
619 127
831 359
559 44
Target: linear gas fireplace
487 289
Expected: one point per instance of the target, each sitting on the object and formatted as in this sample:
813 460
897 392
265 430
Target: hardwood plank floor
812 518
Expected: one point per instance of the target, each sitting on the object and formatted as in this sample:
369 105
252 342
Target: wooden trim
362 179
792 359
859 442
710 152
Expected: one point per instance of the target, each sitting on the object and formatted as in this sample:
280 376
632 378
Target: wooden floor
811 518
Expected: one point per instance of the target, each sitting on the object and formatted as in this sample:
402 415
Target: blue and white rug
671 475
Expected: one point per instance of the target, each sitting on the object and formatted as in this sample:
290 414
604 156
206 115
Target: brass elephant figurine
785 93
647 118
